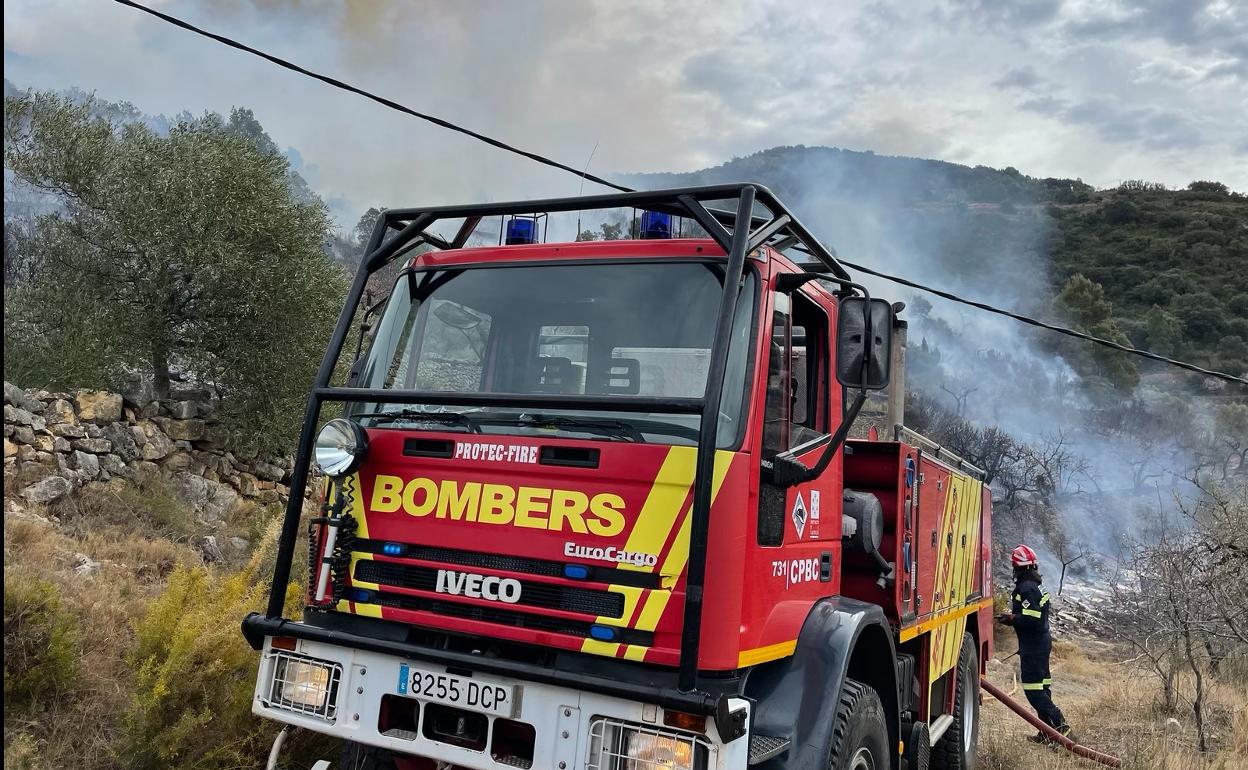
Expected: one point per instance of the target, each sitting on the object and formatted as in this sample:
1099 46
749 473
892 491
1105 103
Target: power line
1050 327
545 161
367 95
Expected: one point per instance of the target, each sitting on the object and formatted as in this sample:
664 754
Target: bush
40 643
194 673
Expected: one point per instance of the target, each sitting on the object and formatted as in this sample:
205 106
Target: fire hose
1054 735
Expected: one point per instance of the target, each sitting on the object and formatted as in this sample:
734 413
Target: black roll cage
399 231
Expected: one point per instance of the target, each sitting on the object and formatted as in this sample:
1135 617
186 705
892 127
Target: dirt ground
1114 705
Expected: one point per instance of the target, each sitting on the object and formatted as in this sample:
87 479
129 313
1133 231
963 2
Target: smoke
1107 462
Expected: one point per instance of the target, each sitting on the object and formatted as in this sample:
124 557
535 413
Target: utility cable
545 161
367 95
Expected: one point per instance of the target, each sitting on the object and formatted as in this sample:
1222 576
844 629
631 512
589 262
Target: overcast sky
1104 91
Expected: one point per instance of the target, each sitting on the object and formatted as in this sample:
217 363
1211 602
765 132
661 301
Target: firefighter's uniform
1031 624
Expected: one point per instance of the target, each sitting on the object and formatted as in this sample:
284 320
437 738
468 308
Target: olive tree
183 255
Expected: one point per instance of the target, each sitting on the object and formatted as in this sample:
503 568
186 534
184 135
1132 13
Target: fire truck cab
592 505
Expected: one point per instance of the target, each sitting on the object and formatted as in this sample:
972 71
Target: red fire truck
592 506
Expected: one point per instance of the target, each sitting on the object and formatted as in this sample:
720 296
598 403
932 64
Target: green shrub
194 673
40 643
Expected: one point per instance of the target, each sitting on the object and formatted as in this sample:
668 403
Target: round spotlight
340 447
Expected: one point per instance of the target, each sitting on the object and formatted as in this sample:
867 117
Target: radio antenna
581 190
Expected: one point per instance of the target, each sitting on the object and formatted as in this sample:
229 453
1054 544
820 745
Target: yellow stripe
1033 613
673 564
663 505
763 654
1035 686
910 632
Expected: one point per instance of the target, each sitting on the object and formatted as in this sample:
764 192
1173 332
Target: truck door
803 519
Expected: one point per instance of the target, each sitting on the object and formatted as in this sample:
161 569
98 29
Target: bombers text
557 510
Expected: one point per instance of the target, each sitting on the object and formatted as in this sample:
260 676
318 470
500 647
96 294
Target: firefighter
1029 616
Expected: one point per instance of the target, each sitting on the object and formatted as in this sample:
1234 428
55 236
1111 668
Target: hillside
1173 263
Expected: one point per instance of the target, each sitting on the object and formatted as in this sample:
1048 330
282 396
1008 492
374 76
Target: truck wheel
956 748
860 734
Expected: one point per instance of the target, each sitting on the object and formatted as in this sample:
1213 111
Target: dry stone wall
72 439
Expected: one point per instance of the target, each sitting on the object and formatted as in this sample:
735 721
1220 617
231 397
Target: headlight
618 745
304 685
649 750
340 446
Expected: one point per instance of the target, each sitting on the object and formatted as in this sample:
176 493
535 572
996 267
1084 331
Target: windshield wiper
616 428
420 415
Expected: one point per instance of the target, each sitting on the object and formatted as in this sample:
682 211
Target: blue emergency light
521 230
359 595
393 549
602 633
655 224
576 571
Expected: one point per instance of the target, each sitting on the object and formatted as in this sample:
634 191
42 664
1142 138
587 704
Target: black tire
956 748
860 734
357 756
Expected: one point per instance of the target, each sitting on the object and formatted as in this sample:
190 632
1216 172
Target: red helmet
1024 557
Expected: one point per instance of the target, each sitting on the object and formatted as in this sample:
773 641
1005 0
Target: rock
46 458
14 509
98 406
47 490
150 410
10 449
156 444
113 464
68 430
24 434
178 462
44 443
94 431
137 390
60 411
145 469
182 430
97 446
20 399
268 470
210 500
26 453
20 416
208 548
199 395
122 439
247 484
268 497
85 463
85 566
182 410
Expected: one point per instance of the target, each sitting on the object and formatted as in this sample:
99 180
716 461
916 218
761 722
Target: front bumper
563 718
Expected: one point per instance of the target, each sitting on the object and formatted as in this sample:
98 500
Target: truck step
764 747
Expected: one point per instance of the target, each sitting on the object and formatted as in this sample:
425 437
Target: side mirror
863 362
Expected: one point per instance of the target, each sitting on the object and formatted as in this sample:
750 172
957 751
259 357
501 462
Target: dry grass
140 538
106 605
1113 705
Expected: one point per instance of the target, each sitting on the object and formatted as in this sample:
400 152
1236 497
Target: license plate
500 700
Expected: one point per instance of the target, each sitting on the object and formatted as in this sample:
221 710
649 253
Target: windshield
597 329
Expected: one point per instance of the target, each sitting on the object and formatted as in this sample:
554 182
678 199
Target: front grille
504 563
533 594
502 617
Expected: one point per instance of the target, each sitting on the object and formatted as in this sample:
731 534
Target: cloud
656 86
1019 77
